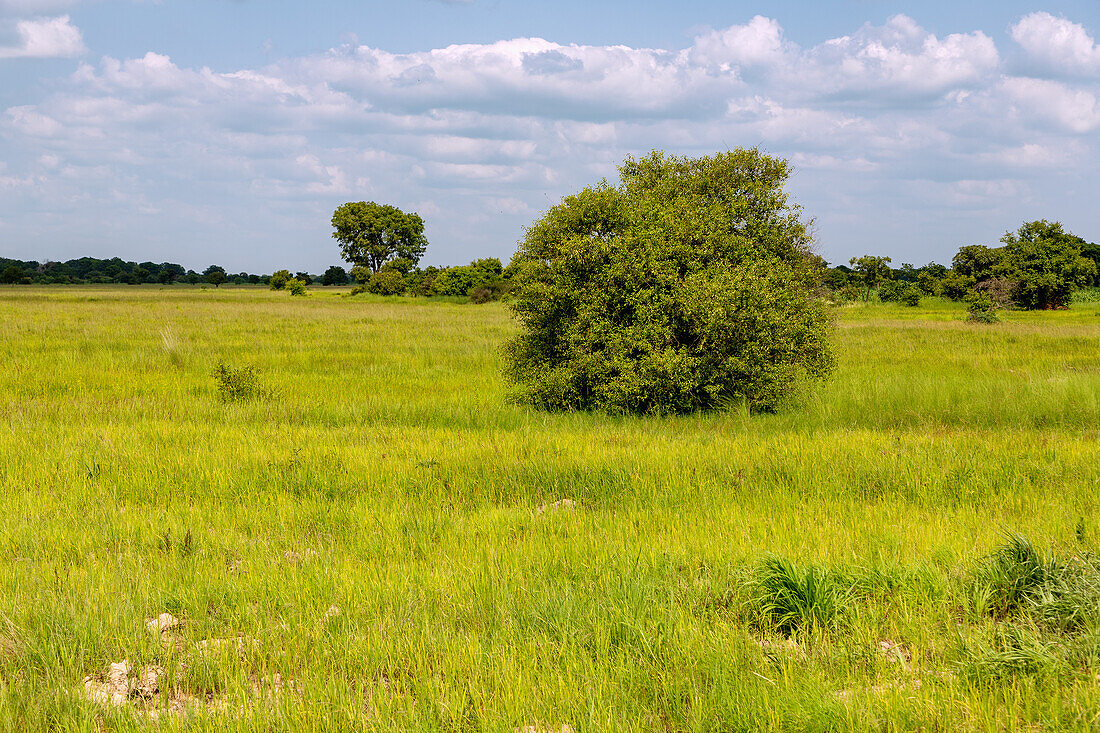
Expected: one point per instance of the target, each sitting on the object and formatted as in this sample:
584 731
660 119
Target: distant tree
335 275
215 275
295 286
372 234
192 277
11 275
140 275
1045 263
279 279
870 271
304 277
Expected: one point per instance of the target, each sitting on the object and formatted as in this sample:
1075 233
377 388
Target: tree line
483 279
1038 266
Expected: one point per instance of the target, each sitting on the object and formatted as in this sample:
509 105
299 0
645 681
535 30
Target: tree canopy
1045 264
371 234
688 286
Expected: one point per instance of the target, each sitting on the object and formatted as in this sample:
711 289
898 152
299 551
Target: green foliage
386 282
238 385
361 274
11 274
890 291
790 599
372 234
977 262
911 296
930 277
295 286
869 271
1046 263
335 275
486 274
689 286
980 307
955 286
215 275
279 279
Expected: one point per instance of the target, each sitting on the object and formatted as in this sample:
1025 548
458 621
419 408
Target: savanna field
377 539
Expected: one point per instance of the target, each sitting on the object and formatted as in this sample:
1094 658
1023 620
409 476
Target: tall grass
391 479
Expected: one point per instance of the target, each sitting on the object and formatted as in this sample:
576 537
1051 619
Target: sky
227 131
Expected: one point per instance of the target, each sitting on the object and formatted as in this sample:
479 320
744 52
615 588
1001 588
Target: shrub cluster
689 286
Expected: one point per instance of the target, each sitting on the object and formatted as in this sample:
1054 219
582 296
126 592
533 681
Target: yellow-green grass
390 460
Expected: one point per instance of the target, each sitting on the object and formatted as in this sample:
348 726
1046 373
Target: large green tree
1046 264
688 286
372 234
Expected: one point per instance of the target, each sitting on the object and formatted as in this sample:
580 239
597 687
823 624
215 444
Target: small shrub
238 385
911 296
790 599
279 280
481 295
981 308
357 290
296 286
386 282
999 290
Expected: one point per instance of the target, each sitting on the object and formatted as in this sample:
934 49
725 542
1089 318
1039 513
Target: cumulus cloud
45 38
485 135
1056 45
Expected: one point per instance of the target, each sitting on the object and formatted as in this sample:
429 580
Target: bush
890 291
981 308
238 385
481 295
999 290
279 280
386 282
296 286
911 296
689 286
357 290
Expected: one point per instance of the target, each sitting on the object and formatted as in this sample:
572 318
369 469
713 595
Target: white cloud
1056 45
1073 110
484 135
45 38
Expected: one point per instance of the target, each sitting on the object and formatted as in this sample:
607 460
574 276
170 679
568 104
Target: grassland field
366 540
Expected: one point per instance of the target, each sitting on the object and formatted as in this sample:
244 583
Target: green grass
381 449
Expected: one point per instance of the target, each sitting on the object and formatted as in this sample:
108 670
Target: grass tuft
1057 593
790 599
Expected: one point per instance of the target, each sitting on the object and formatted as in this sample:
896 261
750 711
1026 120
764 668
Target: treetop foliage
688 285
371 234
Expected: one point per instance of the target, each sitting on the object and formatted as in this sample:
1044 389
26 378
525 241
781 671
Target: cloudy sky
226 131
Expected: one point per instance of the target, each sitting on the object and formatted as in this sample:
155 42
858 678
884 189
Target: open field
368 536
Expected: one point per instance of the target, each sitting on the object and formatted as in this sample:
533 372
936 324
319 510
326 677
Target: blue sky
202 131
